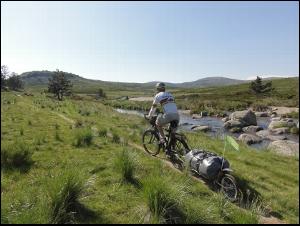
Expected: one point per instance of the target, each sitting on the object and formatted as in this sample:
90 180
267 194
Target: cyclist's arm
152 110
153 107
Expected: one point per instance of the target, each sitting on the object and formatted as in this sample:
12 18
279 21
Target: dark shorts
166 118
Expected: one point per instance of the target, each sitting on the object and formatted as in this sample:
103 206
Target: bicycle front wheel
151 142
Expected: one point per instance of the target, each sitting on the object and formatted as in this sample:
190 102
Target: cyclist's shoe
169 153
162 143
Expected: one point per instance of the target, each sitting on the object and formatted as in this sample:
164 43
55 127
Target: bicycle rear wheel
179 148
151 142
228 187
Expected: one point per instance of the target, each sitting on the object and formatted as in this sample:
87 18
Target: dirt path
270 220
165 160
65 118
141 99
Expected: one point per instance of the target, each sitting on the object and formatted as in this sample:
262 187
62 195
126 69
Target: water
216 124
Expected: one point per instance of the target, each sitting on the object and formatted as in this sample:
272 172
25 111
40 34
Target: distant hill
212 81
40 79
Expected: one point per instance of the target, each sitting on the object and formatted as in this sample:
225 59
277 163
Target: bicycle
176 144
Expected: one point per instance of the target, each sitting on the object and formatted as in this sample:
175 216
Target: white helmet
160 85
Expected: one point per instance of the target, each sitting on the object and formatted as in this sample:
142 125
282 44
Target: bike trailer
205 163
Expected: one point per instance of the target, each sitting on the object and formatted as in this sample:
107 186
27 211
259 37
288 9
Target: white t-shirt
167 102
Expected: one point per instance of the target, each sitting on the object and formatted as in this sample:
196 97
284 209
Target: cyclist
166 100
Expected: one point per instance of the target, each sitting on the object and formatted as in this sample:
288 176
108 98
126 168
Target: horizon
152 41
248 79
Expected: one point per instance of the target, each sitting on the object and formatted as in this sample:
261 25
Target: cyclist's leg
160 122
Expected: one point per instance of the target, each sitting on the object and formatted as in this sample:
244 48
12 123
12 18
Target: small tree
14 82
59 85
101 93
259 88
4 75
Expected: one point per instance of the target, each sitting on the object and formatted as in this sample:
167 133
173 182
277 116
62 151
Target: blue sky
146 41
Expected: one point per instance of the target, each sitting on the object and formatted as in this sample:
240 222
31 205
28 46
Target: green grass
126 165
239 97
44 193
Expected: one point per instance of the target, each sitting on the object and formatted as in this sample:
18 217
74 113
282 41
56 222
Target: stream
216 124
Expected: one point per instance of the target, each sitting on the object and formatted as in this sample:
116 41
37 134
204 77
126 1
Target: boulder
280 124
247 117
261 114
252 129
274 138
201 128
196 116
233 123
266 134
263 133
285 147
287 120
236 130
282 130
203 113
273 115
249 138
276 119
225 119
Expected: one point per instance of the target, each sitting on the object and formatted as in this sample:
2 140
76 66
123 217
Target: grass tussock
65 193
126 165
163 201
83 137
16 156
116 138
58 136
102 132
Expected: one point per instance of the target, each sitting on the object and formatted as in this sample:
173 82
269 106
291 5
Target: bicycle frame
170 136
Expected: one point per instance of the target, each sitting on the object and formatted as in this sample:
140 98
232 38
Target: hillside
68 171
212 81
239 97
40 78
218 100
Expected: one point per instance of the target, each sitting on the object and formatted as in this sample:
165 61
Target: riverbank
214 127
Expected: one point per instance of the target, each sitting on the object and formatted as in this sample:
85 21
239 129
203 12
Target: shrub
83 137
17 155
